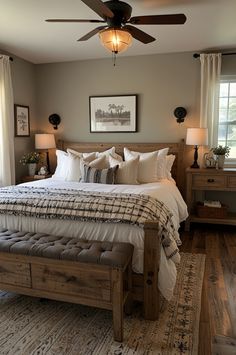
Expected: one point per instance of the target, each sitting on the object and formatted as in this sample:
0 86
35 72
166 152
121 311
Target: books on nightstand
211 209
209 203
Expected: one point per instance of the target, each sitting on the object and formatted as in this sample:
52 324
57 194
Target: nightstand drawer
208 181
232 181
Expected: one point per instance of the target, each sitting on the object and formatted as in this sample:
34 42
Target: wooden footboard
145 287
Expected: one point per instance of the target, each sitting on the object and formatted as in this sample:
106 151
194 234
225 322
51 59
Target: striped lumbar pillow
100 176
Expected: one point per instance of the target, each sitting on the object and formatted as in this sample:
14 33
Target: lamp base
195 164
48 162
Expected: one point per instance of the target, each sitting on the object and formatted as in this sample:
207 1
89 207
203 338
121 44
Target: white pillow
127 172
160 152
147 171
117 156
82 155
163 152
62 165
99 163
106 152
74 161
151 165
169 163
161 168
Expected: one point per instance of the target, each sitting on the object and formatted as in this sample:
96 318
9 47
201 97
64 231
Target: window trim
229 162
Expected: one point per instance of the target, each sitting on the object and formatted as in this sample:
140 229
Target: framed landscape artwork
113 113
22 123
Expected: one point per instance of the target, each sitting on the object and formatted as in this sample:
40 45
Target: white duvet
166 191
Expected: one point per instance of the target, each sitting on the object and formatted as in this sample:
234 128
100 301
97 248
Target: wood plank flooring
218 312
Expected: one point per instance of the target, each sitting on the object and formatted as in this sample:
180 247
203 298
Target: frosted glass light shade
45 141
197 136
115 40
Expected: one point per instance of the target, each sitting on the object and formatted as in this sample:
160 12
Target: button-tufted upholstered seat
68 269
64 248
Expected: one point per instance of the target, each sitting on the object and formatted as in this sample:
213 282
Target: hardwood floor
218 312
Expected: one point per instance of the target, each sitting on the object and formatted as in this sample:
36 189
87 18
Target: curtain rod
10 58
197 55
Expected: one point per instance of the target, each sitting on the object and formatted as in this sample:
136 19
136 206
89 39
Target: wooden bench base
96 285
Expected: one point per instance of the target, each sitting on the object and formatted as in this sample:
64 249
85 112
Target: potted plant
221 152
31 159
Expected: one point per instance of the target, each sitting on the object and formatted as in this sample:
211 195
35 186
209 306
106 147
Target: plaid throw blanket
80 205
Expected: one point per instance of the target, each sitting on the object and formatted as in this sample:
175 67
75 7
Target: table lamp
45 141
196 137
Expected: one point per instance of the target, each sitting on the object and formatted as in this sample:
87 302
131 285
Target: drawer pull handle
210 180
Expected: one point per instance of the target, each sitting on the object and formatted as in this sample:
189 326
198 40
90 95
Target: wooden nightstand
208 180
35 177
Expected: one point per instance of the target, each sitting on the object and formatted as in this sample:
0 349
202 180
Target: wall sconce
55 120
180 114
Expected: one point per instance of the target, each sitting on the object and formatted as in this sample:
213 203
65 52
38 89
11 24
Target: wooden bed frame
144 286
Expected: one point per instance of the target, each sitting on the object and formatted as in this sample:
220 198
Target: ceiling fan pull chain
114 58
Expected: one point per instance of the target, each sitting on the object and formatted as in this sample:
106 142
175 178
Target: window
227 115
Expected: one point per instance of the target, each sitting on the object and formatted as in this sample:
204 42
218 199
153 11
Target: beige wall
162 83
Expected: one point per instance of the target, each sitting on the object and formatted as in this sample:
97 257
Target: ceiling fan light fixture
115 40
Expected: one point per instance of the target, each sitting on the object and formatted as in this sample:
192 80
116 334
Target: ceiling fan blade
173 19
139 35
100 8
72 20
91 33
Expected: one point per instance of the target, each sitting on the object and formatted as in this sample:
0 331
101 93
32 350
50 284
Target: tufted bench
87 272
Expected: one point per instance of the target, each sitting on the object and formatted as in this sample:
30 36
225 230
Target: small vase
32 168
220 161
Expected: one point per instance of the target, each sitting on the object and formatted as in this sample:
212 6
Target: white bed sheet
166 191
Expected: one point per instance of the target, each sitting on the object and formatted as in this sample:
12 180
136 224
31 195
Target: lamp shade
44 141
197 136
115 40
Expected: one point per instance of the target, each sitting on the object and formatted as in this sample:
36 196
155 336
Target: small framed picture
22 121
113 113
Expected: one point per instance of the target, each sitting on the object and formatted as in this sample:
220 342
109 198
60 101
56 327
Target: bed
153 273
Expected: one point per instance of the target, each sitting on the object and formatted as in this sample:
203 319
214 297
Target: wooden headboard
175 148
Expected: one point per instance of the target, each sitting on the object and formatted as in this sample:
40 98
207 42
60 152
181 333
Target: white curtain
7 161
210 86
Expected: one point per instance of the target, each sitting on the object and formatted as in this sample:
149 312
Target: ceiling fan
116 35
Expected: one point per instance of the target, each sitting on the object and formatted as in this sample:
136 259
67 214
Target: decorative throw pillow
106 153
98 163
95 155
62 165
151 164
127 172
160 152
117 156
74 161
99 176
91 155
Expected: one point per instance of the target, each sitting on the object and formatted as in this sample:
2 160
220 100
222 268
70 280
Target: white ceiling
210 26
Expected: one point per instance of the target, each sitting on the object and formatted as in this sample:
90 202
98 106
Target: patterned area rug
29 326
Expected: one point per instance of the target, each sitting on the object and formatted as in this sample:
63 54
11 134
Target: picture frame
113 113
22 121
